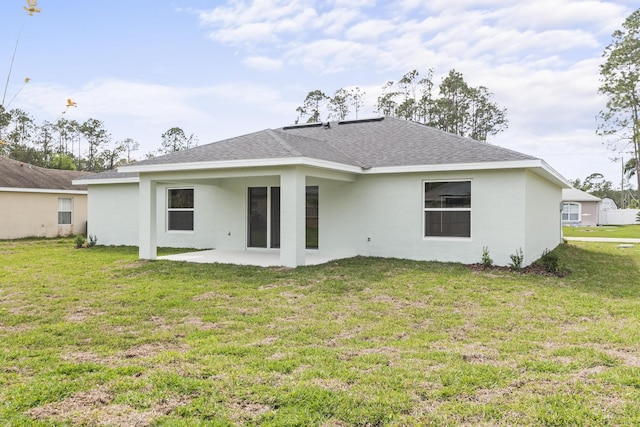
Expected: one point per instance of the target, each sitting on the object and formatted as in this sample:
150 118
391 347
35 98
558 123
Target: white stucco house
374 187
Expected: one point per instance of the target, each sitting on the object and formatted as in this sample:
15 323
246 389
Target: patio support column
292 218
147 220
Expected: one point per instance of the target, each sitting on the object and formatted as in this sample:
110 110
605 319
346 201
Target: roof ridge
464 138
330 144
272 133
356 161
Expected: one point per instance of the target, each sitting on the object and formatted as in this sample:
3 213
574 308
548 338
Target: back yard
96 337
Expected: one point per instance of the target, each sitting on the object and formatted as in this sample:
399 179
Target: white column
292 218
147 195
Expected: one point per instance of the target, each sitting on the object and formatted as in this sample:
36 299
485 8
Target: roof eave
40 190
128 180
537 165
246 163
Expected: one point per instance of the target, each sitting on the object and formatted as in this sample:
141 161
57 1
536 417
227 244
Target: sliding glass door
264 217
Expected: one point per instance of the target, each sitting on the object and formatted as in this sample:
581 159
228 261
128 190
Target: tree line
73 145
454 106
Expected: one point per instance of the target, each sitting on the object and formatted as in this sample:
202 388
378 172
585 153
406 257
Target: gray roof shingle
379 142
15 174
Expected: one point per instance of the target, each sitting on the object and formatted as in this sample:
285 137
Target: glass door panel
257 217
312 217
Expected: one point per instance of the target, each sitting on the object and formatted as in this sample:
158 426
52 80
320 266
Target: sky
224 68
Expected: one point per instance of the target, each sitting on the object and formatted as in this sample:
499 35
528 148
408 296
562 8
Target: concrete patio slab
249 257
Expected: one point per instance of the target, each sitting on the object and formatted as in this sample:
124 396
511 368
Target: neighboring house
39 202
375 187
580 209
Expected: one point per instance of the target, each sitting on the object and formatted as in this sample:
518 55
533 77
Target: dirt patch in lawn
94 407
80 314
245 412
211 295
133 353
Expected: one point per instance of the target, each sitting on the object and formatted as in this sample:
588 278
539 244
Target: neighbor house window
65 211
447 209
571 211
180 209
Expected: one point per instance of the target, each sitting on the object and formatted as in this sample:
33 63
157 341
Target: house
375 187
39 202
580 209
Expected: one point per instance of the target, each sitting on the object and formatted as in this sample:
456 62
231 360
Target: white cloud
262 63
550 14
261 21
369 30
332 55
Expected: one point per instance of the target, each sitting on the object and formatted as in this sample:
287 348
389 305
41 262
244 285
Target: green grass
97 337
610 231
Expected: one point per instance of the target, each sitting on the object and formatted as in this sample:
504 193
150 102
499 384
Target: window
570 211
180 209
447 209
65 211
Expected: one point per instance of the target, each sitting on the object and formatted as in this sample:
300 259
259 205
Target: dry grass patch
94 407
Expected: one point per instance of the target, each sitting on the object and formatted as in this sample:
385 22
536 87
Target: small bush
549 260
80 241
638 217
516 260
486 259
93 239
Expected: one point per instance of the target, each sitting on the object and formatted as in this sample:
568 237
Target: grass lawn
611 231
97 337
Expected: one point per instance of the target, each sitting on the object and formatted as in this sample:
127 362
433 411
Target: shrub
516 260
80 241
486 259
93 239
549 261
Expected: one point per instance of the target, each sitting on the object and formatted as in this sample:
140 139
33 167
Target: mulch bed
530 269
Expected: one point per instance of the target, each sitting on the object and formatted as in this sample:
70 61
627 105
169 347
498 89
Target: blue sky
218 69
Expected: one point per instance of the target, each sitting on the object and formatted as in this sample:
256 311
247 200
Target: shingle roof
15 174
575 195
110 174
379 142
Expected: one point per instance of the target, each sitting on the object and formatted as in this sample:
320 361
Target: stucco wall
377 215
113 214
113 209
384 215
542 217
35 214
590 214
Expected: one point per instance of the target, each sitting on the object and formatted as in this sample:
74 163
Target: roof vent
370 119
303 125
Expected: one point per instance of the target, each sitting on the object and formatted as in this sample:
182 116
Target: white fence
618 216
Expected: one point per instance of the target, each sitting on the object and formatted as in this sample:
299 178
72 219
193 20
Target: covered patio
259 258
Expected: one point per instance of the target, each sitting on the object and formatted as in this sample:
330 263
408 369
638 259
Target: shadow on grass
603 268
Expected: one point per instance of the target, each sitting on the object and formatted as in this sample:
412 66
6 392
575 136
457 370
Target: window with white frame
447 209
571 211
180 209
65 211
